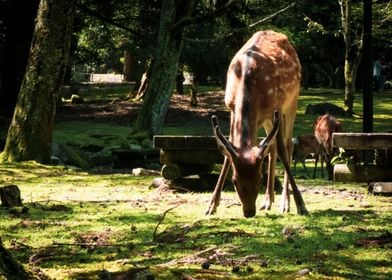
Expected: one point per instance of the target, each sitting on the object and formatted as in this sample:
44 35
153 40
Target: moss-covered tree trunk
9 268
151 117
30 133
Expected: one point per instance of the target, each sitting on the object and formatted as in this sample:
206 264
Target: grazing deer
303 146
263 81
323 127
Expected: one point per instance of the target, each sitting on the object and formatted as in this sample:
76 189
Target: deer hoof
266 206
302 211
211 210
284 210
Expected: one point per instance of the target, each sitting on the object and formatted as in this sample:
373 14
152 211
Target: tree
30 133
9 268
164 69
175 15
16 30
367 124
353 53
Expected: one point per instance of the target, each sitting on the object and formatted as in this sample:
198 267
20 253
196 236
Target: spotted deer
263 81
323 128
303 146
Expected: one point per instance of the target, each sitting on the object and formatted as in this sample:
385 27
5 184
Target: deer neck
245 128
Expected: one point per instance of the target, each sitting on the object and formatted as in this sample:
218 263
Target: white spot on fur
270 91
267 78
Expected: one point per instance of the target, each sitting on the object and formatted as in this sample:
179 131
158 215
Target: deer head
246 164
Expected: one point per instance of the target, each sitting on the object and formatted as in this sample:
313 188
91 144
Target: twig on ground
154 235
84 244
189 257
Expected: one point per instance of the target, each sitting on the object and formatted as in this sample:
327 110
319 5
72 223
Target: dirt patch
123 112
383 240
92 240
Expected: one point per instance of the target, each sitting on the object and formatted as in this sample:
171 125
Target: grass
79 225
66 208
382 108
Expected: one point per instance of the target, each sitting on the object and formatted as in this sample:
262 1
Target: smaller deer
303 146
323 127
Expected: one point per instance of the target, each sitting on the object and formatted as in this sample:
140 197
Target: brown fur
324 127
303 146
263 77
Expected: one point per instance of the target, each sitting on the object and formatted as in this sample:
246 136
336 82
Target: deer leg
285 202
305 169
214 203
323 160
315 165
283 155
329 167
295 167
270 188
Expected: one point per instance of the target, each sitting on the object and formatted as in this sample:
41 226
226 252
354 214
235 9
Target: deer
303 146
262 88
324 126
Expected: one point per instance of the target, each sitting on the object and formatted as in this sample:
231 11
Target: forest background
163 38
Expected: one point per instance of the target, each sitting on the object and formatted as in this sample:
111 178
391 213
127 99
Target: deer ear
265 145
224 145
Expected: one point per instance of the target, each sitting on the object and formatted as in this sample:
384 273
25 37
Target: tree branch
190 20
246 27
97 15
261 20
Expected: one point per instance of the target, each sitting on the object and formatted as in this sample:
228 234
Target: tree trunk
352 56
367 68
127 69
10 196
144 81
151 117
16 30
30 133
9 268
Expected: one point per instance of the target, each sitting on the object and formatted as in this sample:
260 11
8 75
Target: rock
69 156
76 99
159 182
135 147
67 91
144 172
99 159
324 108
304 271
93 147
147 144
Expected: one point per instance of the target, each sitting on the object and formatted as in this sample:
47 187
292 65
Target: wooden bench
186 155
379 146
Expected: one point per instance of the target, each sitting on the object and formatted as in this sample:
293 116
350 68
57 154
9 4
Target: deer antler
224 145
265 143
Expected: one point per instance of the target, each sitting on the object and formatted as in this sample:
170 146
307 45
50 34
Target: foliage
210 43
